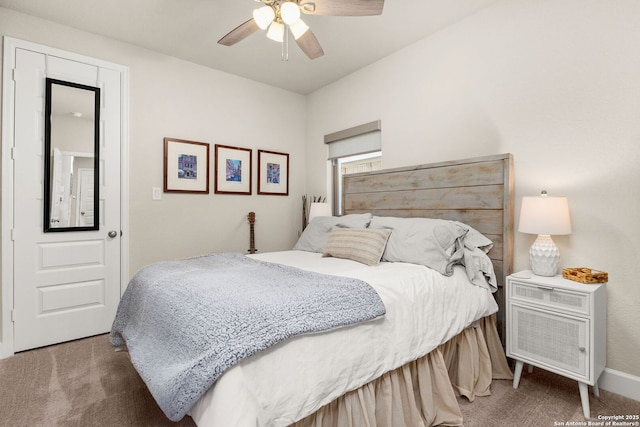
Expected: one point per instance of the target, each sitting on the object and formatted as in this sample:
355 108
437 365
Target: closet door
66 283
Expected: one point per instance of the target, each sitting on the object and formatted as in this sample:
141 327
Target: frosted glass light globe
264 16
276 32
289 12
298 28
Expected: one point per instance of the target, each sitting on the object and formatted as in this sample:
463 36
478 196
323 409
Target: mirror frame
47 157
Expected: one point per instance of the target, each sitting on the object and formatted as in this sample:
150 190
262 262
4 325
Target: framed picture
186 166
273 173
233 170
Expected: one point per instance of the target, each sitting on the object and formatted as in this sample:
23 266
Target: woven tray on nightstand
585 275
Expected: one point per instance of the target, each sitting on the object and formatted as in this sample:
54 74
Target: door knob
113 234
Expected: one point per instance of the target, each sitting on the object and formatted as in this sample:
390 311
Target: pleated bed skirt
423 392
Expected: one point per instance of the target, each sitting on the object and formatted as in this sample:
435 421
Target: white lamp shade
545 215
319 209
298 28
289 12
276 32
264 16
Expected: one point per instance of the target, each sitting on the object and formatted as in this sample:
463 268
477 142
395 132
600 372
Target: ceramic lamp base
544 256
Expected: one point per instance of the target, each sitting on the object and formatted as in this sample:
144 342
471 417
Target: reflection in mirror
71 156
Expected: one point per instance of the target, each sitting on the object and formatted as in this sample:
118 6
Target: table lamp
319 209
544 216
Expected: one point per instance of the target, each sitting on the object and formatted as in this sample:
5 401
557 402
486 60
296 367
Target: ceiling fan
283 16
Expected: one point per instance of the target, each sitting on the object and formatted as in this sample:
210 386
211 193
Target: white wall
178 99
190 102
556 83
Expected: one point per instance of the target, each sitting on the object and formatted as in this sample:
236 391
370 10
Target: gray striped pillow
364 245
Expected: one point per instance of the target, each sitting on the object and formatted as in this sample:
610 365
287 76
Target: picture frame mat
264 186
223 153
173 149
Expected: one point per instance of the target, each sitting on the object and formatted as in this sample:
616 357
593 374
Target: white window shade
361 139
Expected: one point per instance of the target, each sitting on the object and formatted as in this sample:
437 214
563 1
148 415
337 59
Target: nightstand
558 325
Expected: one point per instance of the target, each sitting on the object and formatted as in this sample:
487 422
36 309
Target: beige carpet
85 383
542 399
79 383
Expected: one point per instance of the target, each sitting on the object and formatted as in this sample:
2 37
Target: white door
66 284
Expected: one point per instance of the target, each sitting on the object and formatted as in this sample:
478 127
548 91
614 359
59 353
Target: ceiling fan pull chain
285 43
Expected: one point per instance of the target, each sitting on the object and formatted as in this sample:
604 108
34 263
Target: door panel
66 284
71 254
71 296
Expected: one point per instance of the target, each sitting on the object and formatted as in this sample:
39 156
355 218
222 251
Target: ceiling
190 29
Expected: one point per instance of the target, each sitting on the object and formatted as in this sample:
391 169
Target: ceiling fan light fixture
276 32
298 28
282 17
289 12
264 16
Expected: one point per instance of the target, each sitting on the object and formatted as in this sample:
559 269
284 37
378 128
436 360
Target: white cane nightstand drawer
551 297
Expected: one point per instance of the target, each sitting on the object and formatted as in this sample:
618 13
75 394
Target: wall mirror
71 156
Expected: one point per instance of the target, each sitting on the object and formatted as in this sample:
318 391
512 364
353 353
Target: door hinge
13 234
13 316
13 153
19 74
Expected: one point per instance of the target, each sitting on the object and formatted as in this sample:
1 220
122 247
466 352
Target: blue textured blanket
185 322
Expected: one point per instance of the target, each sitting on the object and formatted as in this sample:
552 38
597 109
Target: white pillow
435 243
475 239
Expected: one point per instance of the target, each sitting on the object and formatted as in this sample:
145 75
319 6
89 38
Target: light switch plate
156 193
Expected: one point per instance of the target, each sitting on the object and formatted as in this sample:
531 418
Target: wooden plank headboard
476 191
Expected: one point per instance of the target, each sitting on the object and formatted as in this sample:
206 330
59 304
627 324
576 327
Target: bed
406 367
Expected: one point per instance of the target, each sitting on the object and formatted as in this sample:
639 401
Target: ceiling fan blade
310 45
342 7
239 33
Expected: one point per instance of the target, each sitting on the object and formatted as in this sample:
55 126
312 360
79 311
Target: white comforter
297 377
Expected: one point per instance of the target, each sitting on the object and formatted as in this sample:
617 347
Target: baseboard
617 382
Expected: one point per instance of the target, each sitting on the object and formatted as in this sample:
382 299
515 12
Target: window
353 164
353 150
